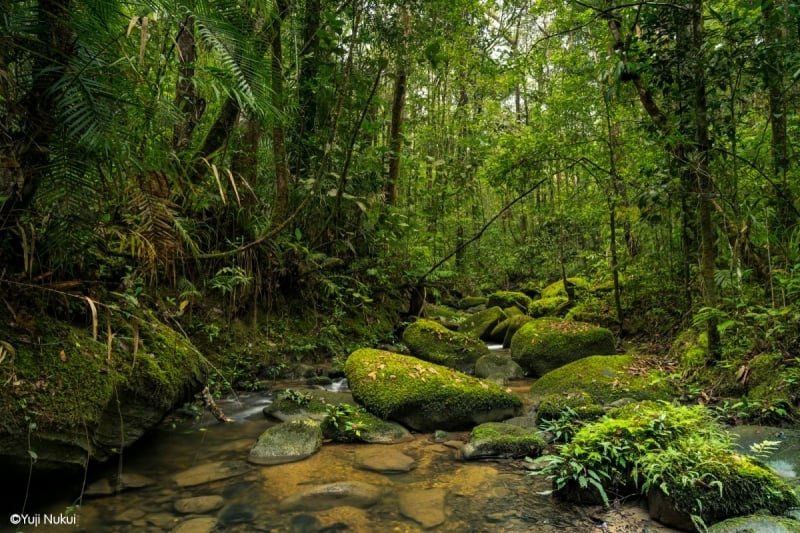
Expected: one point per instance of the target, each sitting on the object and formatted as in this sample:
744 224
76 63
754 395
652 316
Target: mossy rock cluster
606 378
543 345
556 289
505 299
431 341
679 452
505 330
425 396
471 302
481 324
352 423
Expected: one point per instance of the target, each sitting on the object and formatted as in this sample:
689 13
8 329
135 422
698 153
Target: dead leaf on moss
63 356
373 375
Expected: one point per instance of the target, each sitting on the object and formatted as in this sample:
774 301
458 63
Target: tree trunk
282 172
307 87
49 60
187 100
704 182
398 102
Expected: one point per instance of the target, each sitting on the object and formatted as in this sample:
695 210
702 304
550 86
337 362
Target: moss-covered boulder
433 342
425 396
554 406
496 439
498 367
505 299
73 396
557 287
606 378
287 442
481 324
471 302
550 306
543 345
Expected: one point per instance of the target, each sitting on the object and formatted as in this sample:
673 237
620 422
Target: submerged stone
424 506
319 497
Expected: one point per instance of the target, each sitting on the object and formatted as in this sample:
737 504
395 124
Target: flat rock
198 504
424 506
346 493
209 472
113 485
196 525
384 460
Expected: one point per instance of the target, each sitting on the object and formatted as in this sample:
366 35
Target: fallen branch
213 407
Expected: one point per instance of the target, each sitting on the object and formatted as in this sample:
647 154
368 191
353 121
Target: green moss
468 302
481 324
557 287
681 451
507 439
433 342
505 329
542 345
391 385
606 379
553 406
512 311
689 348
547 306
594 310
508 299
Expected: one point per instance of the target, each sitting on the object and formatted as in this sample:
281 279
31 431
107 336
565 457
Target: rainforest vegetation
286 180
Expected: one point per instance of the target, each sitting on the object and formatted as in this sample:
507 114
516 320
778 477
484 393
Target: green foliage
680 451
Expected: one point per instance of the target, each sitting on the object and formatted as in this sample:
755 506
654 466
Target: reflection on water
478 497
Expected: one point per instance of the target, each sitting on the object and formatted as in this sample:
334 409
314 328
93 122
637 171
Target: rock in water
287 442
345 493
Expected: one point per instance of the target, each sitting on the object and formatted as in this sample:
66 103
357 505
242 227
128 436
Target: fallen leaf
373 375
63 356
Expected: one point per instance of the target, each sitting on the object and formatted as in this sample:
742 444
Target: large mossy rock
71 400
497 439
505 299
481 324
430 341
422 395
543 345
606 378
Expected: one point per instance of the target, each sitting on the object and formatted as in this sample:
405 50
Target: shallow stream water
490 496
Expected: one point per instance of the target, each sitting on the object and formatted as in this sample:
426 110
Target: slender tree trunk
398 102
773 13
704 182
307 88
49 60
187 100
282 172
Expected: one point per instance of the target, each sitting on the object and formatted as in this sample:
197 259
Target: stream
187 459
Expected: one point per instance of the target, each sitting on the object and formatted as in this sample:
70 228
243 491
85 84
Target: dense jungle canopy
320 154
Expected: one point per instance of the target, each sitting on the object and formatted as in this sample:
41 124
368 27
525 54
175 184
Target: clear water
480 496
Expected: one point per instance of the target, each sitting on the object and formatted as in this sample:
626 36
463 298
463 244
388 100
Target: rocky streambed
193 476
